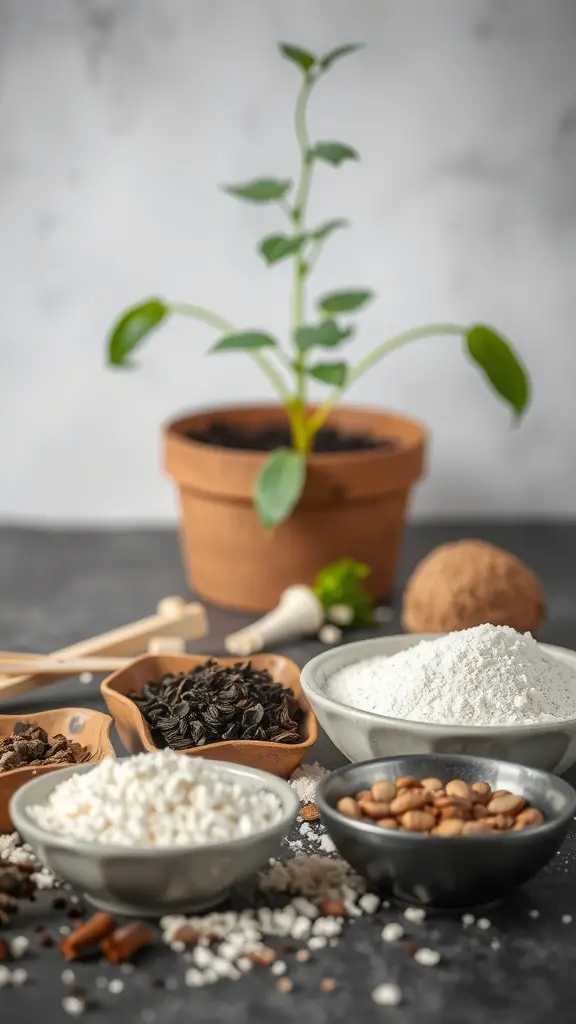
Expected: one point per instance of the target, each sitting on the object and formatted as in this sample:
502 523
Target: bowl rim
314 693
18 809
36 719
309 722
548 826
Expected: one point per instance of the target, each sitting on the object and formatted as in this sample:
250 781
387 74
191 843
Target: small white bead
483 923
18 946
427 957
392 932
415 914
19 976
369 903
566 919
387 994
116 986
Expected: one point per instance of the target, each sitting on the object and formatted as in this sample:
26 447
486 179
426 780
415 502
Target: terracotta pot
353 505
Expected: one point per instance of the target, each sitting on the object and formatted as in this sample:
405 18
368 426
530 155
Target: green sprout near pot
314 336
338 587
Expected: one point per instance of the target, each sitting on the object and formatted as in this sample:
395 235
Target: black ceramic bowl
447 872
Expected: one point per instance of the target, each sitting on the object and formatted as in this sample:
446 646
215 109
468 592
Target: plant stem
300 267
214 320
318 418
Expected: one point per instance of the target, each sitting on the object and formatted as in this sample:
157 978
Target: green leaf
330 373
244 341
132 327
261 190
279 485
302 58
340 583
344 302
325 335
341 51
504 370
326 229
333 152
278 247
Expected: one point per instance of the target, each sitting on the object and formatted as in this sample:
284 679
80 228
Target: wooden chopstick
48 665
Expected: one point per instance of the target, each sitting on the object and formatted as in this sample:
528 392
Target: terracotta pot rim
175 428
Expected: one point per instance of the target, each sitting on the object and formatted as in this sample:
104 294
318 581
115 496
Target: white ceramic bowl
362 735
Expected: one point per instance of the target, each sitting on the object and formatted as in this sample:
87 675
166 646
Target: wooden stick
185 620
48 665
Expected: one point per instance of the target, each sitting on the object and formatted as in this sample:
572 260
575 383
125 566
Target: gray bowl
439 872
363 734
150 882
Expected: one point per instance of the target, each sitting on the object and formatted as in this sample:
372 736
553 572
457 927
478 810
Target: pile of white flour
488 675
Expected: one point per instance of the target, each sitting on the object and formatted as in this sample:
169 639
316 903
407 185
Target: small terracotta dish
90 728
134 731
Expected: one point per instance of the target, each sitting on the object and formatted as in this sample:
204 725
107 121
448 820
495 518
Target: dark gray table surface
60 586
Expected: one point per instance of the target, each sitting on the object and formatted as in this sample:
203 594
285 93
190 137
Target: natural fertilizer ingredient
469 582
485 676
214 702
31 745
160 799
435 808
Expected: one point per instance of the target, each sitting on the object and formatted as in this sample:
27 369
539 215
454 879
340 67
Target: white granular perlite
485 676
160 799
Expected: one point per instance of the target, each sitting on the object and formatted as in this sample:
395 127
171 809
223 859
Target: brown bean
448 827
512 803
388 823
531 816
479 811
417 821
348 806
501 792
455 811
332 908
364 794
383 791
408 800
407 782
476 828
501 822
374 810
459 789
432 784
483 790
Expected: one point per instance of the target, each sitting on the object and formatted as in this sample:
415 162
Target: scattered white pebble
278 968
178 947
484 924
86 677
467 919
19 976
495 943
415 914
317 942
330 634
427 957
116 986
392 932
68 977
566 918
18 946
534 914
369 903
73 1006
5 976
305 908
387 994
301 928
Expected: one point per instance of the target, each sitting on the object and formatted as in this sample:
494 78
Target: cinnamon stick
123 943
87 935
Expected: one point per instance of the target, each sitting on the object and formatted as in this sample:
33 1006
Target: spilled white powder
485 676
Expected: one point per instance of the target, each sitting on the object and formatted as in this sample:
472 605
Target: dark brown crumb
411 947
4 951
59 903
284 985
38 927
45 941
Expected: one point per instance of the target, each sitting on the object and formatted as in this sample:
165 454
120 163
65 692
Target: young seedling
313 336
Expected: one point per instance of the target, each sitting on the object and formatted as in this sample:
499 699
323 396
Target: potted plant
269 495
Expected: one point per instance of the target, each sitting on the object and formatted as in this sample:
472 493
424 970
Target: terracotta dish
277 758
90 728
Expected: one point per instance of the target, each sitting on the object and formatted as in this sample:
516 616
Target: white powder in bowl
485 676
160 799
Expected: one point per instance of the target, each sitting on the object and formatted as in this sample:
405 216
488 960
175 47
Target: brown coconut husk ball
470 582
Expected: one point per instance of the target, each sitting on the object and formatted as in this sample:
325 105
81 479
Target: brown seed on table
387 823
411 947
409 800
432 785
303 956
512 803
284 985
87 935
374 810
407 782
186 934
449 827
383 791
531 816
459 789
266 957
332 908
327 984
476 828
123 943
348 806
310 812
417 821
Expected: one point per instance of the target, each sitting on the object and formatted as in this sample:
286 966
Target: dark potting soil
327 440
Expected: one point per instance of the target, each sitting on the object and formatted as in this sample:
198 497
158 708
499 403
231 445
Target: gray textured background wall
119 117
